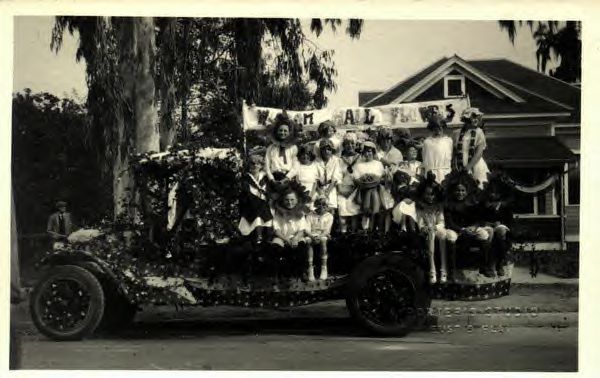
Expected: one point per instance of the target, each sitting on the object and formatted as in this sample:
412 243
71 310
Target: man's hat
61 204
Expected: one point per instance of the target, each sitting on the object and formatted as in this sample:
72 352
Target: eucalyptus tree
119 54
132 64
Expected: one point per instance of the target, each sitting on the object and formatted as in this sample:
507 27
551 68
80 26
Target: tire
388 300
73 317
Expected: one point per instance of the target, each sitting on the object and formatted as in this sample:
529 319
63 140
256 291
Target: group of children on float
296 190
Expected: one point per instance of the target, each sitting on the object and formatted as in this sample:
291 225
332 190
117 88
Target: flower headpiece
282 119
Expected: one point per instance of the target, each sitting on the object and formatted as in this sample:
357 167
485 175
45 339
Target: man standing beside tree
60 223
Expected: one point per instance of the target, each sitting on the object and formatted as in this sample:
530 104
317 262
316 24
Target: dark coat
458 215
53 227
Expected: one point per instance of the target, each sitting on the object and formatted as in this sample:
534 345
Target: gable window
454 86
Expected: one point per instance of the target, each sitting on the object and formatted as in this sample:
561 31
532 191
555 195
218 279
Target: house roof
391 94
524 151
364 96
540 93
557 90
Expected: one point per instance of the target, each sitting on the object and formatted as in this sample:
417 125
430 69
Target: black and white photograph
295 194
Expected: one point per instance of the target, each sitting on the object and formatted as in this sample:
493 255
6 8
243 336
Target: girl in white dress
280 157
307 172
469 144
411 165
368 176
348 209
437 150
327 130
330 172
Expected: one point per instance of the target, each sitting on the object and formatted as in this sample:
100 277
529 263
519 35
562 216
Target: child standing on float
469 144
254 207
308 172
330 172
412 166
368 174
348 209
281 155
437 149
390 157
327 130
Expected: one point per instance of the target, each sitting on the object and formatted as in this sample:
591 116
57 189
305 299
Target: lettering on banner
428 111
369 119
308 119
449 113
349 117
395 113
298 119
263 115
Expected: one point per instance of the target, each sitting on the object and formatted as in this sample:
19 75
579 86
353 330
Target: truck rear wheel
389 301
67 303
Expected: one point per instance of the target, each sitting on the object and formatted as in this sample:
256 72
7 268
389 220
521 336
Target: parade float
183 247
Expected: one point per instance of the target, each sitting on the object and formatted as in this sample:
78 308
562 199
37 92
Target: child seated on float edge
254 206
290 228
497 216
427 218
462 218
319 221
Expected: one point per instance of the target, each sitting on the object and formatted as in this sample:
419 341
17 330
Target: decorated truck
181 245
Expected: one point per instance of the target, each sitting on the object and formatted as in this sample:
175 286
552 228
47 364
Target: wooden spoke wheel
68 303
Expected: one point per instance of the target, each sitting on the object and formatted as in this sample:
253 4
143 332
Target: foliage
563 40
52 160
197 183
212 63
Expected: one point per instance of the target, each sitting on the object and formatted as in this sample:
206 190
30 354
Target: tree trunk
167 83
147 137
139 130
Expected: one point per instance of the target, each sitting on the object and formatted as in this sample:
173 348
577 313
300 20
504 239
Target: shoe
500 271
489 272
323 275
432 278
443 276
311 274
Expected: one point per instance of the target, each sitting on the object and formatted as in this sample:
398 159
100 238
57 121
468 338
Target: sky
386 53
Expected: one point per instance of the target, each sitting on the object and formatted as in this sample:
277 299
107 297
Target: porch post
564 193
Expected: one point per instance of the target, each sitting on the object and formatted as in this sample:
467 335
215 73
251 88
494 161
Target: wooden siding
572 222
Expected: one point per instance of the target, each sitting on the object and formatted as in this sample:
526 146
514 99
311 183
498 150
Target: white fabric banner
413 114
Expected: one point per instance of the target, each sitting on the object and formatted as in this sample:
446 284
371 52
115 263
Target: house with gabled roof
532 124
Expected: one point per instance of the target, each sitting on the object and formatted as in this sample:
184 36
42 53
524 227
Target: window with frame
532 204
454 86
